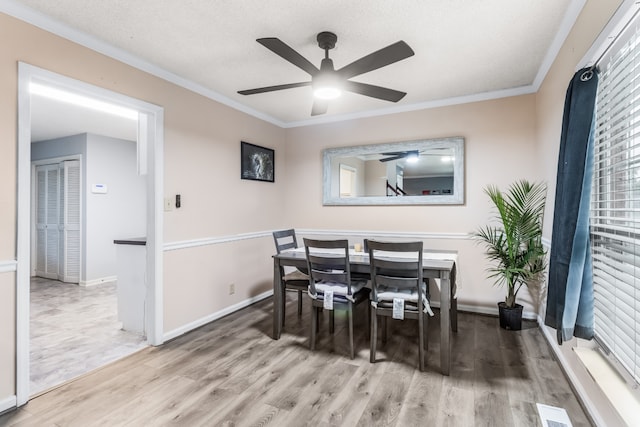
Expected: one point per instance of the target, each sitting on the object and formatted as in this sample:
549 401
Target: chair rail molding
8 265
206 241
392 234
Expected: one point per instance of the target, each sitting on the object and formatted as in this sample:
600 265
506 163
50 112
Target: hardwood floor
74 330
231 373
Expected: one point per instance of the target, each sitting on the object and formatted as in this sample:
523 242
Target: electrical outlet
168 204
232 288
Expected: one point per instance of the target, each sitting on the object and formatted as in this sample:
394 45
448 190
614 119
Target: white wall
118 214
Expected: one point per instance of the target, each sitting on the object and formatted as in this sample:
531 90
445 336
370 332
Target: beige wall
203 274
7 335
549 110
202 158
505 140
499 145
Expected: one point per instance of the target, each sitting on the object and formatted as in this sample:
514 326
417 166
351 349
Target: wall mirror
421 172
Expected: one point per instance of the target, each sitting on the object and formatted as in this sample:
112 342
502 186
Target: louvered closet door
70 222
47 223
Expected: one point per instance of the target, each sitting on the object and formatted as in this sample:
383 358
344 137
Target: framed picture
257 163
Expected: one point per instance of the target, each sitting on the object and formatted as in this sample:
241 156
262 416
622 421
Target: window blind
615 205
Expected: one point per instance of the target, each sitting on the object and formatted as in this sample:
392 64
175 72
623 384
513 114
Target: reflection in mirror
429 171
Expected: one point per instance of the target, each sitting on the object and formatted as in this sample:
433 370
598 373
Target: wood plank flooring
231 373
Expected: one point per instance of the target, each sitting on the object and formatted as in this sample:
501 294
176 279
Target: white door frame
151 141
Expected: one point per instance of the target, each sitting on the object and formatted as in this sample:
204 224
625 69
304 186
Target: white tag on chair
398 308
328 300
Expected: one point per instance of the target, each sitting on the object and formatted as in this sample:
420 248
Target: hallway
74 330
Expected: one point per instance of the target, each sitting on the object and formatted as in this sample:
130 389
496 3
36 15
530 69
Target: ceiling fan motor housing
327 40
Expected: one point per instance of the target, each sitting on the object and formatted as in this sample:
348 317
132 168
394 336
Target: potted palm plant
514 244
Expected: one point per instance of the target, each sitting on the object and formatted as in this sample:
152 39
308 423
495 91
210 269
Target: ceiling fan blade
320 106
395 155
280 48
388 159
374 91
273 88
385 56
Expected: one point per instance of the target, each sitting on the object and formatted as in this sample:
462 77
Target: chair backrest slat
285 239
331 266
397 282
396 265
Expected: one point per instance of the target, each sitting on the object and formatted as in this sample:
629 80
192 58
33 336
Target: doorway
149 161
75 324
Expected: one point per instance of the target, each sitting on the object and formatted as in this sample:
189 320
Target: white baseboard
8 403
215 316
583 396
242 304
490 311
99 281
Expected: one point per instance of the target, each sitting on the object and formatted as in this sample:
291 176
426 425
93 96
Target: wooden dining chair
292 279
330 284
398 289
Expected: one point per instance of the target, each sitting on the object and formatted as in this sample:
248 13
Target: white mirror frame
456 198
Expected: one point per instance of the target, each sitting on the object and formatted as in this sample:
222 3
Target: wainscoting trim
215 316
242 304
185 244
8 403
388 234
481 309
9 265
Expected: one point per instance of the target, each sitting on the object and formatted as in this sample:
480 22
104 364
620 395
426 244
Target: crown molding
40 20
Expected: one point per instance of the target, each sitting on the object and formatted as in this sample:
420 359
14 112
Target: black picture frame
256 163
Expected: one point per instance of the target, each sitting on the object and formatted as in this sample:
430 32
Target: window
615 205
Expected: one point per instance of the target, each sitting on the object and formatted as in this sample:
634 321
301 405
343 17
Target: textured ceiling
464 49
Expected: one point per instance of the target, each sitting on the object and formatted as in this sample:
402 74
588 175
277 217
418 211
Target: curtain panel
570 287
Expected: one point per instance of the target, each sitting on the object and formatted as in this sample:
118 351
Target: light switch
168 204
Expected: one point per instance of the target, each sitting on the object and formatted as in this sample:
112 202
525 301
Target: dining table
439 265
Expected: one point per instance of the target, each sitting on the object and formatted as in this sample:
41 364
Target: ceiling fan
396 155
328 82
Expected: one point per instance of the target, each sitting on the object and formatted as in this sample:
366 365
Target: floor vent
552 416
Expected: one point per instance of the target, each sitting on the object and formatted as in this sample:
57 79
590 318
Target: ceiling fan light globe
326 92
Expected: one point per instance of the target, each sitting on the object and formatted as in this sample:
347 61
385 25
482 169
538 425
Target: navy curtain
570 289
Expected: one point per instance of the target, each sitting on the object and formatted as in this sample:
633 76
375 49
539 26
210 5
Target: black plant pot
510 317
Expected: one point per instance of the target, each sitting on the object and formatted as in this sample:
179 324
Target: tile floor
74 330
